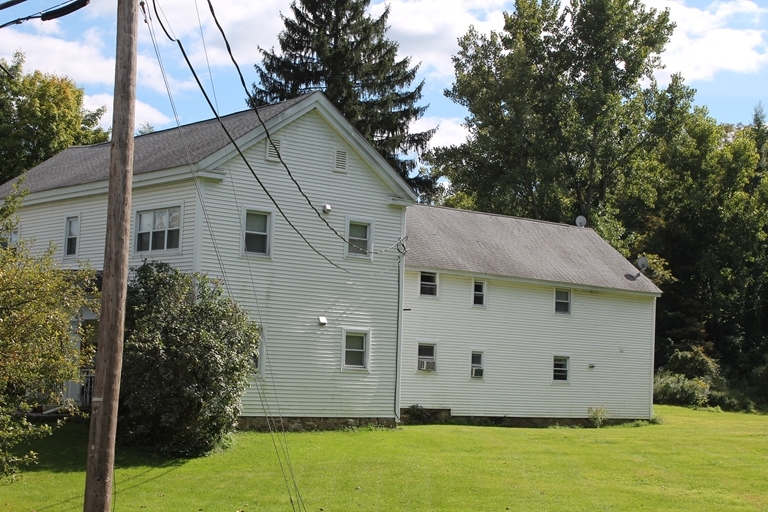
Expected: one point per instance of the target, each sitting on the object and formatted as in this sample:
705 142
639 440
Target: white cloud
427 30
449 130
144 113
79 60
727 35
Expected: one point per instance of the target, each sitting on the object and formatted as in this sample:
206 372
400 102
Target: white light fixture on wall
321 320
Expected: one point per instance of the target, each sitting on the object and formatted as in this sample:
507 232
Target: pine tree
335 47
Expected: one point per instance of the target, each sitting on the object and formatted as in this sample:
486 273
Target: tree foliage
557 116
40 115
335 47
38 301
188 354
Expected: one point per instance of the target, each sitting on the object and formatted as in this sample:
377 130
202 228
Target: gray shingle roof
449 239
154 151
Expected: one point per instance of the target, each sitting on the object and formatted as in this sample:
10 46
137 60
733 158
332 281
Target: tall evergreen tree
335 47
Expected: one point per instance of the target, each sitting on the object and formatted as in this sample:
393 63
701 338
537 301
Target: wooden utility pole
109 358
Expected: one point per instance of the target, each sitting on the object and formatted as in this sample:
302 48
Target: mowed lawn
696 460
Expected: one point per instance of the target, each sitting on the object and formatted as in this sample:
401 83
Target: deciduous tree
38 354
557 114
40 115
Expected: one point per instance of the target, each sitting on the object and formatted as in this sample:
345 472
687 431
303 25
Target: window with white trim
359 237
478 365
428 284
427 357
560 368
562 302
355 350
72 232
256 236
9 239
158 230
478 293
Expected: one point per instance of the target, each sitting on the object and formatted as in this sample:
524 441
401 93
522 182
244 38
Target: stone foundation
422 416
260 424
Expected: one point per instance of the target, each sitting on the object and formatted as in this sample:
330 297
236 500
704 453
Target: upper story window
72 234
478 294
562 302
428 284
359 237
9 239
158 230
355 350
257 232
560 367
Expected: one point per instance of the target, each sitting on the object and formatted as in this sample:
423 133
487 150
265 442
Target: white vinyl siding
294 287
36 219
613 331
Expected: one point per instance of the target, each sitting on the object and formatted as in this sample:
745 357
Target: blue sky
720 47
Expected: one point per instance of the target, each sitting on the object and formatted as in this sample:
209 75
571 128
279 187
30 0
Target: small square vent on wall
272 150
340 161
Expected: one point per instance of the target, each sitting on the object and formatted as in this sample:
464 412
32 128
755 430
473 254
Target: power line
269 138
232 140
57 11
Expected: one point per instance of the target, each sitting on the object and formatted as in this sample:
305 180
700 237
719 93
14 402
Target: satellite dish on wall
642 263
581 221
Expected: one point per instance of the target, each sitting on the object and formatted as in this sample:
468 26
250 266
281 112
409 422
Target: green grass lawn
695 461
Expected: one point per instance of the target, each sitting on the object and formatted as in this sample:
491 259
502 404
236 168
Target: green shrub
676 389
694 364
597 416
188 353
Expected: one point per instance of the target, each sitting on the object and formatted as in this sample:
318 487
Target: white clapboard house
517 318
487 316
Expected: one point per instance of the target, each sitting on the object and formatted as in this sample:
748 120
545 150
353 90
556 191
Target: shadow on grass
66 451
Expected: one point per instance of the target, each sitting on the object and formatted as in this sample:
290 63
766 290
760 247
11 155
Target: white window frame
278 144
259 373
366 333
270 213
67 237
473 366
556 301
484 293
568 368
437 285
175 250
419 358
371 229
12 238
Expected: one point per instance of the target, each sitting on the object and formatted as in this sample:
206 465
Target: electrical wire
262 397
54 12
269 138
239 151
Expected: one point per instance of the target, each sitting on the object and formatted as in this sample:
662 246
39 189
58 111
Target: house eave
540 282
